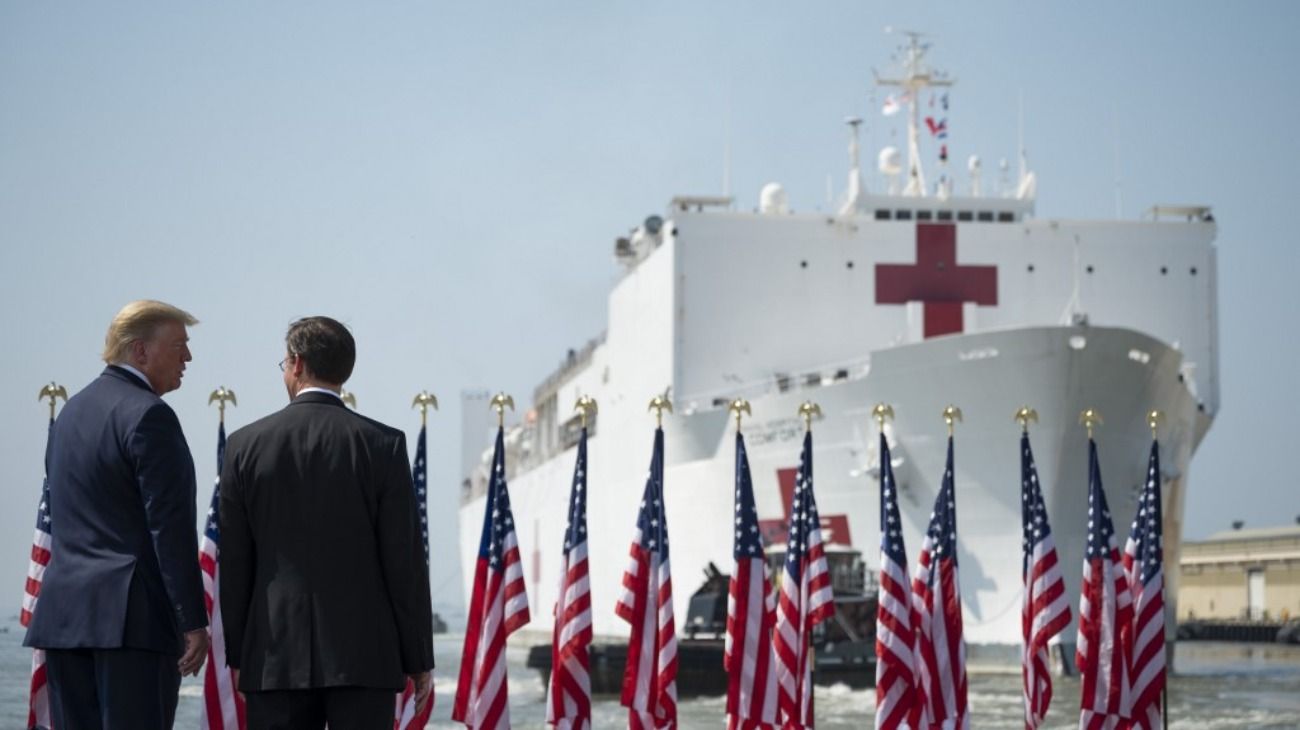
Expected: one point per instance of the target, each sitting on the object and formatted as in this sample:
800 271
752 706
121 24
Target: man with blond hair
121 614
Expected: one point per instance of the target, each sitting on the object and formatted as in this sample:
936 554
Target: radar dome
772 200
890 161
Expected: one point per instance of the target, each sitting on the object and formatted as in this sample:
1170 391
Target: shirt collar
134 372
316 389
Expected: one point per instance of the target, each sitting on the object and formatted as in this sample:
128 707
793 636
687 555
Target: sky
448 179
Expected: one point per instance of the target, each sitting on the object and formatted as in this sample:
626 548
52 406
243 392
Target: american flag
751 613
1104 645
499 606
406 715
1144 570
1044 610
896 704
650 676
568 703
936 598
38 706
223 705
805 600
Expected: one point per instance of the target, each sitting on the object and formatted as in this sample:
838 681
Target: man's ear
299 366
137 352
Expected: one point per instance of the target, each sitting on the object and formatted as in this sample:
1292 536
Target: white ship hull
1058 370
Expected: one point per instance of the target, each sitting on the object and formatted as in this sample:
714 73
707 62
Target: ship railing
779 382
574 360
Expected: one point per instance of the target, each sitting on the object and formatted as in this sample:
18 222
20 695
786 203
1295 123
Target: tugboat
843 647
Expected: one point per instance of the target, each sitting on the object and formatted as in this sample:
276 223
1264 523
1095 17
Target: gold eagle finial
54 392
424 400
809 410
586 405
221 396
659 404
499 403
739 406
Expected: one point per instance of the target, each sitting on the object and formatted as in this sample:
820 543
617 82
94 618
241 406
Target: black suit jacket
124 570
323 576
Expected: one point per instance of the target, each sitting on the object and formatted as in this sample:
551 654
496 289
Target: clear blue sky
449 180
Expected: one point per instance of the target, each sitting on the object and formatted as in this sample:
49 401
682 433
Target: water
1218 685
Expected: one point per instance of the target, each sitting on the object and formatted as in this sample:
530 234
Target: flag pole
1154 418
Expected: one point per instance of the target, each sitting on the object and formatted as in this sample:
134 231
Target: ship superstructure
920 295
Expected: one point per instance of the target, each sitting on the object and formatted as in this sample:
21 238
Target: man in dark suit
122 598
324 589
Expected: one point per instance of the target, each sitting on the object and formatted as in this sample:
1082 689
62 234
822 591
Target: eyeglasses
285 362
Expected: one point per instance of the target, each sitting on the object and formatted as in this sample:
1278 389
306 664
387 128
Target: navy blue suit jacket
124 569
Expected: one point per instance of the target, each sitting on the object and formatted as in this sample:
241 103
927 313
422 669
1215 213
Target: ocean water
1217 685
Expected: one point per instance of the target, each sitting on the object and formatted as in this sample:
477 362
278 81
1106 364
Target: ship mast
916 76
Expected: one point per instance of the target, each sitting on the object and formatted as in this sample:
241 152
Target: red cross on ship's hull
937 281
835 528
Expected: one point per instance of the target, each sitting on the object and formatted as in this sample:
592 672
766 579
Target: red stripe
470 649
634 615
564 684
496 642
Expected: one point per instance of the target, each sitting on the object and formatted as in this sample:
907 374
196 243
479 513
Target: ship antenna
1020 139
916 76
726 150
1119 191
853 196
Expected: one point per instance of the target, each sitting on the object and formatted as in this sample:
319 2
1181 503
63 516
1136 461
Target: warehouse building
1249 574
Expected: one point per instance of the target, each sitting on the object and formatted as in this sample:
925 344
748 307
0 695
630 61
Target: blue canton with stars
211 529
1100 528
43 510
1033 513
420 478
747 543
1148 530
498 522
891 523
650 519
576 532
803 513
943 520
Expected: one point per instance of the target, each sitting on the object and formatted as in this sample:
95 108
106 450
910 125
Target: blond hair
139 320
